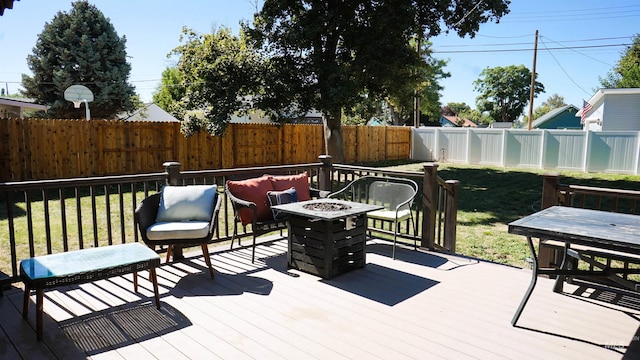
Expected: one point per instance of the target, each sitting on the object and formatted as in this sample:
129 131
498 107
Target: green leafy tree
553 102
222 76
505 91
458 108
80 47
171 89
626 74
328 55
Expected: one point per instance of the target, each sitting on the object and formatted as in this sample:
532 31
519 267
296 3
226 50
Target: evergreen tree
80 47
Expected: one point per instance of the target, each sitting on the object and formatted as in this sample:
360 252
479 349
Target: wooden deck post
173 172
324 177
550 183
429 203
173 178
451 216
547 256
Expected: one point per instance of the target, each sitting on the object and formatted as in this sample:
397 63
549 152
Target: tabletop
80 261
354 208
614 231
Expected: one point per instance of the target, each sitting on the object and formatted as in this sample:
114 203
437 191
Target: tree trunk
333 139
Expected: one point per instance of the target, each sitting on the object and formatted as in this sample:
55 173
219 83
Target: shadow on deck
421 305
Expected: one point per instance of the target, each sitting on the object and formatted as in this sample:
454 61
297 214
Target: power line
564 71
527 49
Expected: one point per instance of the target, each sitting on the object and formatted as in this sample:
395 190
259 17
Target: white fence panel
485 147
523 148
576 150
614 152
452 145
565 149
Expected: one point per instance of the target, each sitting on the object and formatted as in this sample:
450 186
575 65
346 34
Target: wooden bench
82 266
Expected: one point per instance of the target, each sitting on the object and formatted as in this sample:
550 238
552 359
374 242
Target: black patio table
592 230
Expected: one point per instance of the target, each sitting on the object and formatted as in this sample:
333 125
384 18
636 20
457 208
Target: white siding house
613 110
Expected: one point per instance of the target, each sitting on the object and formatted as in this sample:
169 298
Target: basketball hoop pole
86 109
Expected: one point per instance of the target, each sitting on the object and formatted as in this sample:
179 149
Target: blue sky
579 40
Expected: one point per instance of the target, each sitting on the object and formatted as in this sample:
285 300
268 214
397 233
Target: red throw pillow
299 181
254 190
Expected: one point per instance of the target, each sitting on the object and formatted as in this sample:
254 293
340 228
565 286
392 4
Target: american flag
585 109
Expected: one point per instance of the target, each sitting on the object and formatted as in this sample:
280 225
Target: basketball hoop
79 94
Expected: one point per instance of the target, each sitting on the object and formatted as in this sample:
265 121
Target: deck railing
51 216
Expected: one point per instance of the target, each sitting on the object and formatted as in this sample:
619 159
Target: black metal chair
178 231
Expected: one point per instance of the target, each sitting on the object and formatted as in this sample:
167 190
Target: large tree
327 55
627 73
505 91
80 47
221 73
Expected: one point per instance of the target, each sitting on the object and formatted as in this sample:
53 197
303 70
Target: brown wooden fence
33 149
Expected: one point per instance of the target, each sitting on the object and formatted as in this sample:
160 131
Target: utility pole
416 95
533 80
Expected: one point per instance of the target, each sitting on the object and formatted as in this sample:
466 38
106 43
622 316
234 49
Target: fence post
547 255
429 203
324 177
451 215
173 172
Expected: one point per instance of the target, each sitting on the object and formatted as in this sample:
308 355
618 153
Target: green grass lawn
491 197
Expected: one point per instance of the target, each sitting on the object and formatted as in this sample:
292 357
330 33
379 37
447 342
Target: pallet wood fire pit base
326 237
326 247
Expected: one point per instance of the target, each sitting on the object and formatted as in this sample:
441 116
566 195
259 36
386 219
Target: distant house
15 107
613 110
559 118
149 112
454 121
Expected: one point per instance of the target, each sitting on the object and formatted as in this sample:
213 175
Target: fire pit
327 236
326 206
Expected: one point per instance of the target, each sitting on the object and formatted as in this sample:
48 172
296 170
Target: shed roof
552 114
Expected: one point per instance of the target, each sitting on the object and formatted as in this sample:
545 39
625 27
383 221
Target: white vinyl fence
575 150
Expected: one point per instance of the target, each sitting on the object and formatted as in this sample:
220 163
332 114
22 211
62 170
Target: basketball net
76 104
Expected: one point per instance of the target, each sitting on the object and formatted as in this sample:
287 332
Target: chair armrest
214 215
239 203
318 194
146 212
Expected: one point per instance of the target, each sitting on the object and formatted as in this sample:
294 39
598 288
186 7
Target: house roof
150 112
551 114
602 92
454 120
17 106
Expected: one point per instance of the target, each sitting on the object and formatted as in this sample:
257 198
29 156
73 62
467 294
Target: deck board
421 305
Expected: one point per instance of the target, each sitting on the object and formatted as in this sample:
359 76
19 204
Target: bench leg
154 280
39 312
135 281
25 301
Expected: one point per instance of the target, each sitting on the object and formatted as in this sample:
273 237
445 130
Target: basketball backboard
78 94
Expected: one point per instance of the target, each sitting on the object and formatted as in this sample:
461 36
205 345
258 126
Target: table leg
135 281
25 301
559 285
532 285
39 312
154 280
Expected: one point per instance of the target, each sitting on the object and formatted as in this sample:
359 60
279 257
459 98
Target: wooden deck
423 305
